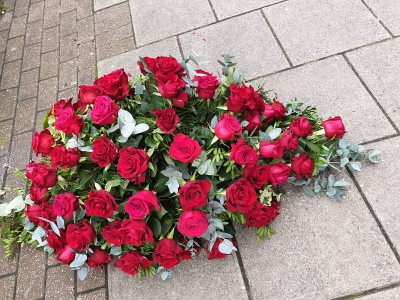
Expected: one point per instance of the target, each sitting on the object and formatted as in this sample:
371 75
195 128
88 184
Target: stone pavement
342 56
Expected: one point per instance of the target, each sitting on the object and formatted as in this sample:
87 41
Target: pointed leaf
139 128
82 273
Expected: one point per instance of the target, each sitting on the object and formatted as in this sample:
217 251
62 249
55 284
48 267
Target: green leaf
308 191
342 144
340 183
82 273
110 184
331 191
344 161
274 133
97 186
356 165
155 226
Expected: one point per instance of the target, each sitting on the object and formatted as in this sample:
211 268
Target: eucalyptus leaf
214 122
82 273
226 247
308 191
164 275
274 133
60 222
139 88
79 260
340 183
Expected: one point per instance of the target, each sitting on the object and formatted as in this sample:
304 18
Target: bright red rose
240 196
130 261
166 119
227 128
243 98
110 233
243 154
302 166
206 85
215 253
68 122
135 232
114 85
167 253
65 204
65 255
184 149
98 259
260 214
132 164
334 128
104 151
289 141
79 105
150 65
193 223
271 149
194 193
256 175
56 242
166 65
180 99
274 111
41 175
254 119
61 105
62 157
88 93
105 111
193 251
42 142
170 85
37 194
79 236
101 204
140 204
301 127
43 210
279 173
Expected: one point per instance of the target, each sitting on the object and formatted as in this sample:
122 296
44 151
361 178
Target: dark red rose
62 157
184 149
43 210
105 111
104 151
110 233
271 149
166 65
215 253
132 164
41 175
194 193
193 223
256 175
114 85
274 111
68 122
65 255
167 253
170 85
60 106
279 173
254 119
98 259
180 99
101 204
206 85
130 262
37 194
88 93
193 251
150 64
65 204
166 119
289 141
135 232
56 242
240 196
243 154
301 127
334 128
243 98
79 105
302 166
260 214
79 236
140 204
42 142
227 128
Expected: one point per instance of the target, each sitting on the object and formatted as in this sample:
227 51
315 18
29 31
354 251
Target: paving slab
96 295
246 37
7 287
311 29
332 87
60 283
176 17
388 12
391 294
197 279
100 4
228 8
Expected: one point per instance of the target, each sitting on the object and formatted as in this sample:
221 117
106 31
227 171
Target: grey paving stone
68 47
68 5
5 20
7 287
213 277
15 183
49 64
2 54
68 22
391 294
100 4
96 295
3 170
47 93
85 30
94 279
332 87
112 17
5 135
378 65
18 26
228 8
311 29
10 76
7 103
3 40
15 47
60 283
39 124
7 265
68 75
34 32
180 16
388 12
114 35
25 116
50 40
84 9
36 11
31 57
86 76
86 55
28 86
51 16
115 48
68 93
9 4
49 3
21 8
20 150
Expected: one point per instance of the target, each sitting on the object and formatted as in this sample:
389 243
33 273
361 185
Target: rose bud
68 122
98 259
65 204
135 232
56 242
227 128
261 214
43 210
289 141
114 85
243 154
140 204
101 204
88 93
271 149
334 128
240 196
194 193
110 233
256 175
105 111
279 173
132 164
167 253
274 111
41 175
302 165
130 262
215 253
65 255
193 223
42 142
62 157
104 151
166 119
206 85
301 127
79 236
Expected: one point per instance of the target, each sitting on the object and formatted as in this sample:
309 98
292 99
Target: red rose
79 105
180 99
130 262
88 93
135 232
114 85
184 149
227 128
101 204
68 122
79 236
110 233
42 142
43 210
243 98
254 120
289 141
279 173
215 253
150 64
271 149
334 128
104 151
274 111
132 164
256 175
65 255
243 154
194 193
105 111
41 175
206 85
99 258
301 127
62 157
194 250
170 85
261 214
37 194
140 204
59 107
56 242
193 223
166 119
302 165
240 196
65 204
167 64
167 253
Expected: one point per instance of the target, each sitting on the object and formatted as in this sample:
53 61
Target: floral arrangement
152 170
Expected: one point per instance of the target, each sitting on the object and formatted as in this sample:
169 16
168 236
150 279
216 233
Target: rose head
140 204
184 149
301 127
60 106
62 157
131 261
256 175
206 85
193 251
279 173
135 232
166 119
227 128
65 204
180 99
243 154
104 151
193 223
56 242
274 111
110 233
240 196
243 98
68 122
101 204
114 85
79 236
88 93
42 210
37 194
167 253
261 214
150 64
334 128
254 120
271 149
41 175
170 85
42 142
98 259
132 164
302 166
194 193
167 65
65 255
105 111
289 141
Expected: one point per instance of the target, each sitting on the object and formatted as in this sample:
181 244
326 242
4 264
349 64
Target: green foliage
11 232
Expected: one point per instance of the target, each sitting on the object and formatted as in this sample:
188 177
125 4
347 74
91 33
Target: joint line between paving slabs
180 47
133 28
213 10
106 283
243 271
369 292
372 12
